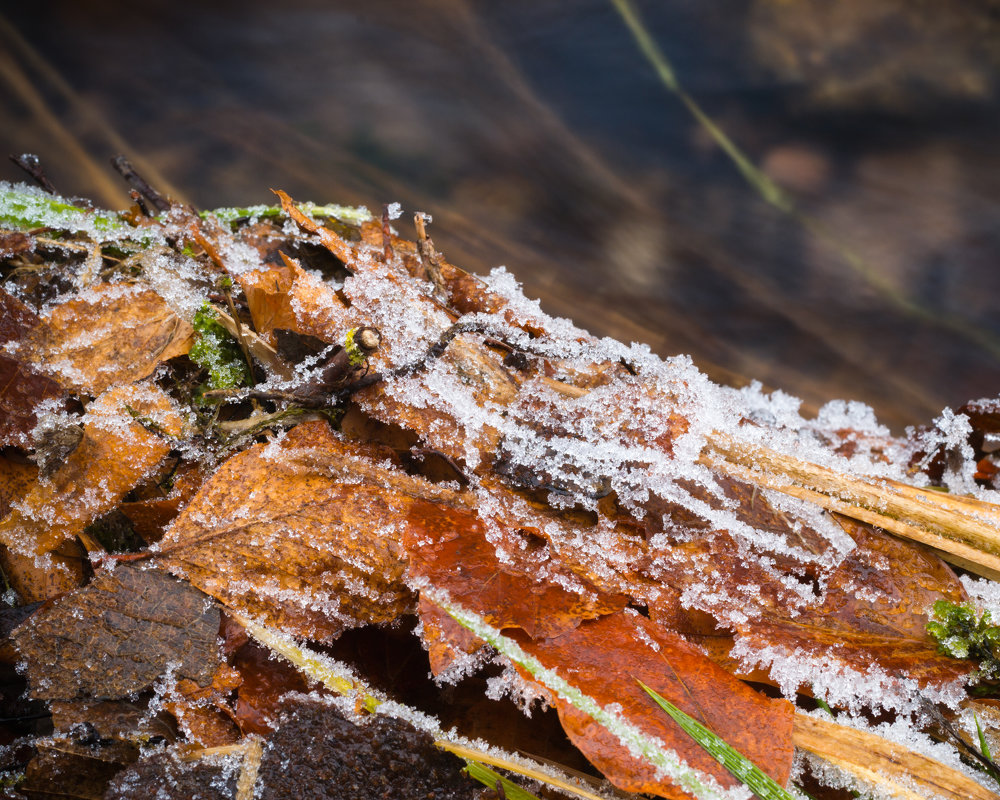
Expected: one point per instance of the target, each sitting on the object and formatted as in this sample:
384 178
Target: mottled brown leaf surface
110 719
317 753
605 657
305 532
109 334
116 452
118 635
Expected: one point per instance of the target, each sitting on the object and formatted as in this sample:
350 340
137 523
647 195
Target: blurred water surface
539 137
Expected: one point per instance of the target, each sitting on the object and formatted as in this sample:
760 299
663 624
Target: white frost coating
985 595
639 744
840 685
394 210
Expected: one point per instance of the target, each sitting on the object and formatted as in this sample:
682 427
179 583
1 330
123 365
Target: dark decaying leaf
317 753
605 657
65 767
118 635
22 386
169 776
305 532
110 719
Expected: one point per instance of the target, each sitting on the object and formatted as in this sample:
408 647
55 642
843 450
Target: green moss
22 209
217 352
961 634
354 353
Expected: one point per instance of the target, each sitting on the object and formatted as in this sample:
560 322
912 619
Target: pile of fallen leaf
249 454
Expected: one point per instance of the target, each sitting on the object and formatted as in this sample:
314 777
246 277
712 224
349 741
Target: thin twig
127 171
387 252
31 164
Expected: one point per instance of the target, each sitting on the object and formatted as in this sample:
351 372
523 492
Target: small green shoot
742 768
984 748
961 634
983 744
218 352
489 778
824 705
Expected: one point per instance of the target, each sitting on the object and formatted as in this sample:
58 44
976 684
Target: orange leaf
116 452
528 589
112 333
288 297
606 657
305 533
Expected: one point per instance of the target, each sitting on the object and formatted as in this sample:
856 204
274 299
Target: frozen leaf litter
296 426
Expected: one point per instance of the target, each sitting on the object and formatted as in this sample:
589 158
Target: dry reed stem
965 531
513 766
885 764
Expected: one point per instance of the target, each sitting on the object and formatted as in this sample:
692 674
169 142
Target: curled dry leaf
118 635
606 657
110 334
116 452
305 532
289 298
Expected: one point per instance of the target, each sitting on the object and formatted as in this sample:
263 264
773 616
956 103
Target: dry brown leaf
204 725
305 532
112 333
289 298
483 374
116 452
110 719
66 768
118 635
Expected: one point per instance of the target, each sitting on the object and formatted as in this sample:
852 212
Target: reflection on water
539 137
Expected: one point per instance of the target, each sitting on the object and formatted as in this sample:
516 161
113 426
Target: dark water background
539 138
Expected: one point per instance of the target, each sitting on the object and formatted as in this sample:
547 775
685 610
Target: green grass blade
742 768
984 745
489 778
